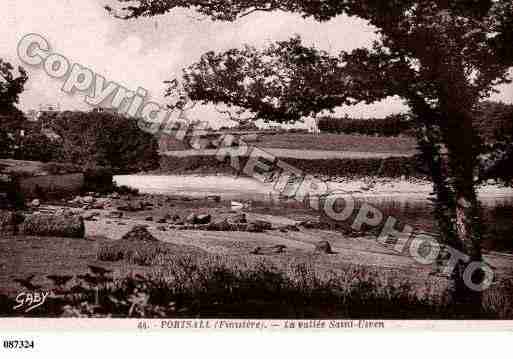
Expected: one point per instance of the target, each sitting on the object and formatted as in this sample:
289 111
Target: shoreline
376 188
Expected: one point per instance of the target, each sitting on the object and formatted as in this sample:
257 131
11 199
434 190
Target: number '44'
143 325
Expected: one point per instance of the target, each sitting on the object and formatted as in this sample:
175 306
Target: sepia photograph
256 164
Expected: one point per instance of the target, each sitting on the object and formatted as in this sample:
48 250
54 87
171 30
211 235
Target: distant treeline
492 121
393 125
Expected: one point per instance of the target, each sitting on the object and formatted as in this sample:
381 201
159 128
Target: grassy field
326 154
402 145
164 280
346 143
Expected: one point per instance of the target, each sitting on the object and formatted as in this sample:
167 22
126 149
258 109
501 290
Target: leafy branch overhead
283 82
406 25
427 51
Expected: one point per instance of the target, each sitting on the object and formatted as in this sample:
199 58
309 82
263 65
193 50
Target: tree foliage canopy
103 139
11 86
283 82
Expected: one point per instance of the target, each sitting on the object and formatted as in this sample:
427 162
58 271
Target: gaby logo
28 301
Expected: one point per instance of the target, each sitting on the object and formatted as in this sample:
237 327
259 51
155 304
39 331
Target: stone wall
51 185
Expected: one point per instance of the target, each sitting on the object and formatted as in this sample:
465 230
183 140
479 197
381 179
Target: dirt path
301 154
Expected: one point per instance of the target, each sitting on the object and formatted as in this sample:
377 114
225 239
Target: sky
145 52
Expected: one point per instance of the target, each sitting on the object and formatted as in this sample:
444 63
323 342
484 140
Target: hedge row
393 125
393 167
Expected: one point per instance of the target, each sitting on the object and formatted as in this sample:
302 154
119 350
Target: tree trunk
456 207
462 160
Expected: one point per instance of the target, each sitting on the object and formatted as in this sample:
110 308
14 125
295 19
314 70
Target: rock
145 204
254 228
35 203
236 206
115 195
60 212
191 218
223 226
162 228
115 215
198 219
239 218
203 219
131 207
292 228
162 220
323 247
88 199
140 234
89 217
309 224
75 200
176 218
149 219
216 199
265 226
98 206
269 250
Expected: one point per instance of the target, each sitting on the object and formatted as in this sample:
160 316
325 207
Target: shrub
57 168
126 190
218 286
67 226
38 147
11 196
98 179
9 222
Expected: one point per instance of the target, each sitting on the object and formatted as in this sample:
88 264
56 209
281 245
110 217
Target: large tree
11 119
91 139
441 56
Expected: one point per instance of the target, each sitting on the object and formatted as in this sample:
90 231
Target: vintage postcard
278 165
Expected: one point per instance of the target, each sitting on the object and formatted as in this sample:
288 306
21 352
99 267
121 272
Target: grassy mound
140 247
67 226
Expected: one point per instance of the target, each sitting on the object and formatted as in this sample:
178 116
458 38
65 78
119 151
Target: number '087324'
18 344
